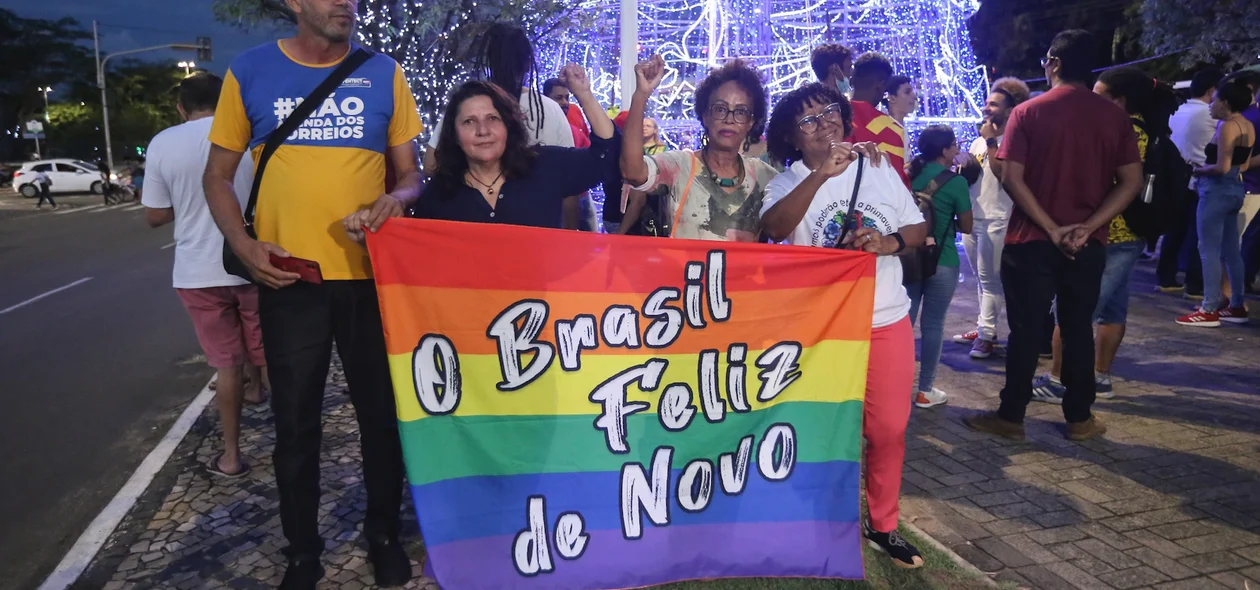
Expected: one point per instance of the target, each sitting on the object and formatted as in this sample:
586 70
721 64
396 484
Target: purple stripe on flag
664 554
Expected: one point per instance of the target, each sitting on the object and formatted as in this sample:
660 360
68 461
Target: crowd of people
1055 249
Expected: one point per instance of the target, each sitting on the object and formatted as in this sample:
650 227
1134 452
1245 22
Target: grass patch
938 573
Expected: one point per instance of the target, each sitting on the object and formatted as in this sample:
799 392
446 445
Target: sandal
214 469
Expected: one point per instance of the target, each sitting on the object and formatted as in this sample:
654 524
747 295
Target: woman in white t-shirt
808 205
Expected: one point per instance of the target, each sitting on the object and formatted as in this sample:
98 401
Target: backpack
1166 177
919 263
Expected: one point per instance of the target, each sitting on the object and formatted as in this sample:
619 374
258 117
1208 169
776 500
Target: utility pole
629 49
202 45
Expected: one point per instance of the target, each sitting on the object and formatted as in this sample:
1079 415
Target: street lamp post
187 65
47 120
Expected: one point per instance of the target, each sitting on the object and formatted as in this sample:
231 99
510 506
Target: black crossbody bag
850 222
231 262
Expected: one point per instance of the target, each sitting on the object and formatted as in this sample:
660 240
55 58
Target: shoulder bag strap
687 191
297 117
848 220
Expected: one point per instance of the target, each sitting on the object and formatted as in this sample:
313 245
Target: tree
1213 30
36 53
432 40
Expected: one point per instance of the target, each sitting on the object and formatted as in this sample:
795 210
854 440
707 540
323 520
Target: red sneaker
1233 315
967 338
1201 319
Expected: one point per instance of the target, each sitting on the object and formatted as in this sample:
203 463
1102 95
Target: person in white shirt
1192 129
991 211
809 205
223 308
44 184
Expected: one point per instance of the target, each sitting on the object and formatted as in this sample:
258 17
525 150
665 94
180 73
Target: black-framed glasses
1045 60
830 113
720 112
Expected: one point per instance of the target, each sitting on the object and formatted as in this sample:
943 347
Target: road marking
101 527
78 209
136 207
106 208
38 297
170 245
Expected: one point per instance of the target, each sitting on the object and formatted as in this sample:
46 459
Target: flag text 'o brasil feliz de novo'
586 411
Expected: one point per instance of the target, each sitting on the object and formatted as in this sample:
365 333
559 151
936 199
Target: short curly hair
825 56
740 72
1014 88
788 111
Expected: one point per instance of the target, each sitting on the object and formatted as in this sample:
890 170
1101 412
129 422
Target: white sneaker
927 399
967 338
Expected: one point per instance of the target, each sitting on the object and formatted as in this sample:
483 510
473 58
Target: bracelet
901 243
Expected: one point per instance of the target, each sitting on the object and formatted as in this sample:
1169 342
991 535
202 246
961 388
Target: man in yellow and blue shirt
332 166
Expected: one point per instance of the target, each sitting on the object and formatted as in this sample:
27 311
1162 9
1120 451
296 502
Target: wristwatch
991 142
901 243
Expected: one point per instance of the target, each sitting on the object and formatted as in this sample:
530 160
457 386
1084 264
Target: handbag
850 220
654 219
919 263
232 264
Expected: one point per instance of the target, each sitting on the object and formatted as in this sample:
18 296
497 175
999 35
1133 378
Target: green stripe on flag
450 447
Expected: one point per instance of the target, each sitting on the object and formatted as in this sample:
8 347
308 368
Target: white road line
78 209
106 208
136 207
38 297
101 527
170 245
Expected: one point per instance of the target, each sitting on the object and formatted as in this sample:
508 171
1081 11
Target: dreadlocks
506 58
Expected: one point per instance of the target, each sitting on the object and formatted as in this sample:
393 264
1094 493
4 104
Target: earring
747 143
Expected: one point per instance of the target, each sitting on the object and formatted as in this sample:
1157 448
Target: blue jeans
933 295
1220 200
1113 293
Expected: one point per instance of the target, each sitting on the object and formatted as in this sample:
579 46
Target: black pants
1034 274
44 195
299 325
1182 244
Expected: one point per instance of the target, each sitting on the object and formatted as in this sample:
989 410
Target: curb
956 558
80 556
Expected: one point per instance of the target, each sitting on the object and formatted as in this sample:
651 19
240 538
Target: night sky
132 24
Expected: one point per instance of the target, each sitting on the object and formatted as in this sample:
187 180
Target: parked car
67 176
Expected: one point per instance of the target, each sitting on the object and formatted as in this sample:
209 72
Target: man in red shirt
1071 165
871 72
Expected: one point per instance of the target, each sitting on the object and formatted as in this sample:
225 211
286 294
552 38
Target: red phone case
307 270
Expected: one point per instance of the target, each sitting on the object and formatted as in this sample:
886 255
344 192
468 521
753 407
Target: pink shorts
226 321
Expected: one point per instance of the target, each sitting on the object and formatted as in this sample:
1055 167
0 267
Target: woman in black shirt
488 173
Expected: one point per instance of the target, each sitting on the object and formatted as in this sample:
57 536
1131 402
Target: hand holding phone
307 270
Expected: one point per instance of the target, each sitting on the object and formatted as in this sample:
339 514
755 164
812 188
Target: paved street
93 374
1168 500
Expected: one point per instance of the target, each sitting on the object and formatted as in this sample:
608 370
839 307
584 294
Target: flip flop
213 468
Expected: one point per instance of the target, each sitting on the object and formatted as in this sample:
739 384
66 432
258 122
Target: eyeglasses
1046 60
720 112
831 113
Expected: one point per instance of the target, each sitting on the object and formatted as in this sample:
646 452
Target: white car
67 176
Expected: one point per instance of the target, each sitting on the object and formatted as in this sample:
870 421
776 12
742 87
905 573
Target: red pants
889 379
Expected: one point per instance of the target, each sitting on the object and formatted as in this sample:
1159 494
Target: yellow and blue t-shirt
333 165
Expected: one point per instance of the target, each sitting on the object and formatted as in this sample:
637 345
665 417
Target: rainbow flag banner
584 411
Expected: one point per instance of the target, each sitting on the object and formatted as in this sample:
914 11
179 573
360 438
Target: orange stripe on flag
759 319
569 261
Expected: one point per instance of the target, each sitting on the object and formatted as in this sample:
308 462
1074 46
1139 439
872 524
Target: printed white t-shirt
988 198
174 166
884 203
555 129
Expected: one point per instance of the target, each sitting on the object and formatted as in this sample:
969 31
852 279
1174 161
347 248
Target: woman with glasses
714 193
951 205
809 205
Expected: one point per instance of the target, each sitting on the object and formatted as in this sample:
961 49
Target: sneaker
1201 319
967 338
1193 296
903 554
390 565
1173 288
1079 431
1102 385
981 349
1047 389
302 574
927 399
1233 315
991 423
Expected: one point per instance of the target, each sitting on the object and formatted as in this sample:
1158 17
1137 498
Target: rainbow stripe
474 470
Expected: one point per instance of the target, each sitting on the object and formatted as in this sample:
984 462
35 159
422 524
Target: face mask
843 85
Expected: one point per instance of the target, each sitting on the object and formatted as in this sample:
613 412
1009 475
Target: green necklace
718 180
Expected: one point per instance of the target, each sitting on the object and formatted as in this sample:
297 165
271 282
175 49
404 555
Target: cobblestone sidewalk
1169 499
